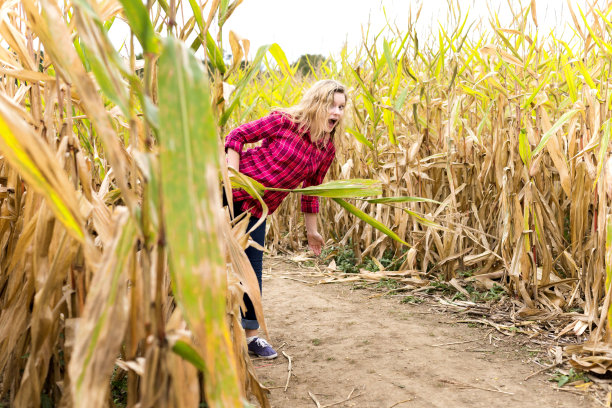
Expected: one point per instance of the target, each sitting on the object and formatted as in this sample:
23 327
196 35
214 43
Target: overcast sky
324 26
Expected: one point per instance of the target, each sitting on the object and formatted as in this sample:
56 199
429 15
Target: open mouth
332 122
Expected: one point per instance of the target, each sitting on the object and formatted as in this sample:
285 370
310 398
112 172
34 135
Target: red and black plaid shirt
285 159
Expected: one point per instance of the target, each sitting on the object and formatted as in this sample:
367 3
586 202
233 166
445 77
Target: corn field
118 262
510 132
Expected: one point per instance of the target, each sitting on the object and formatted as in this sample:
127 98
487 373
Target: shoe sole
266 357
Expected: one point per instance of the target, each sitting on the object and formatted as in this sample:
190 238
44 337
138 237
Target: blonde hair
311 112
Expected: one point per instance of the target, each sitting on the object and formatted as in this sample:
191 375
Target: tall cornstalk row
118 266
509 130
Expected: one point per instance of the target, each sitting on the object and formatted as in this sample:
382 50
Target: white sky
324 26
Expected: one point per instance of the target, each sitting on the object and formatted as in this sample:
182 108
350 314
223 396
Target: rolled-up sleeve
253 131
310 204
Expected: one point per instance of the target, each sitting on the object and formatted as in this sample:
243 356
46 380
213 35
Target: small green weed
411 299
572 376
387 284
316 342
343 256
46 401
466 274
347 262
495 293
459 296
119 387
436 286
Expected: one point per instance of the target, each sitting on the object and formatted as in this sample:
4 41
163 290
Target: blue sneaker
260 348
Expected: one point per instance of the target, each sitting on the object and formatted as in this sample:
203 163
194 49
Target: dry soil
384 353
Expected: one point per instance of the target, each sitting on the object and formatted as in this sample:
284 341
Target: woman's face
335 111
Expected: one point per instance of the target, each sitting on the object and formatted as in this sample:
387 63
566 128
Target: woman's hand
315 242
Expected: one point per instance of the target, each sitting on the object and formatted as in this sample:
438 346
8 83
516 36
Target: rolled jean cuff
250 324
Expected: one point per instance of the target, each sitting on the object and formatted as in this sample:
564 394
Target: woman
297 148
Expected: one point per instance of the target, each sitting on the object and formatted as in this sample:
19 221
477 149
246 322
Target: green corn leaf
509 45
382 62
281 59
389 58
568 49
514 76
223 11
190 192
440 60
586 75
602 44
81 53
401 47
536 91
241 85
214 54
415 116
365 89
151 112
396 83
452 80
97 51
109 23
569 78
37 165
253 187
370 220
422 220
567 116
389 119
342 189
473 92
350 188
360 137
524 148
603 148
406 199
116 93
408 70
138 18
401 98
466 65
197 13
187 352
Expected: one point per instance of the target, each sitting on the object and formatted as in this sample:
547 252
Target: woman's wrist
310 219
233 158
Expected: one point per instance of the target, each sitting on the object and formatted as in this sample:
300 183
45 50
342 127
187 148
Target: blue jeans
249 320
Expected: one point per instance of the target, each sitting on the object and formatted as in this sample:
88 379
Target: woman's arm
233 158
310 204
315 240
252 132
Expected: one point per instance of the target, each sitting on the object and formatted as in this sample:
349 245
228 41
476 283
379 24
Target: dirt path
390 354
